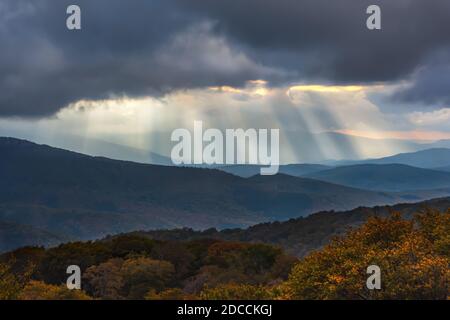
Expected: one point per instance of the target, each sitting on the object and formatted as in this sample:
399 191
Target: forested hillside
78 197
300 236
413 255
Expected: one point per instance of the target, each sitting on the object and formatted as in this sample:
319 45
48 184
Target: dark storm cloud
138 47
329 38
430 87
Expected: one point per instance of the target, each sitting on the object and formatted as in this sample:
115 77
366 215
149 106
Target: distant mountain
100 148
429 158
439 144
307 147
84 197
300 236
386 177
296 170
302 146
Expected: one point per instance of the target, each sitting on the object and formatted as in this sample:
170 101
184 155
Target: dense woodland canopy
413 254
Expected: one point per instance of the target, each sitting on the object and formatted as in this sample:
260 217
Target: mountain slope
302 235
296 170
387 177
111 150
307 147
428 158
13 235
90 197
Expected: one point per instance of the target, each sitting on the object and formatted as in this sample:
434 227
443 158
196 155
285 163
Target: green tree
142 274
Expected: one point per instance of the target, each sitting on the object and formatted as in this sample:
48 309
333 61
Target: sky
140 69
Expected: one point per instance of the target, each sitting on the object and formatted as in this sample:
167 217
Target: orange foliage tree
413 256
38 290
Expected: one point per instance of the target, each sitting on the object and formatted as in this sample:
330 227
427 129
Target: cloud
150 48
429 87
329 38
147 49
432 119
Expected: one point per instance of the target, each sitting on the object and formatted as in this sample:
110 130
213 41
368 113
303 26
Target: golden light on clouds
326 89
258 82
142 122
261 91
253 87
226 89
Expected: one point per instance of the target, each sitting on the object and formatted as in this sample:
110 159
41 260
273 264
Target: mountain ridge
299 236
296 170
384 177
90 197
427 158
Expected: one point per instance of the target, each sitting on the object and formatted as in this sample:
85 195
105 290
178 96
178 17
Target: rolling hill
296 170
84 197
302 235
13 235
386 177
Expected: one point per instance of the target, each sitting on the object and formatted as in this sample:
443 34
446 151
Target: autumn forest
413 255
